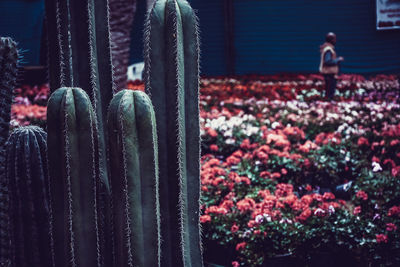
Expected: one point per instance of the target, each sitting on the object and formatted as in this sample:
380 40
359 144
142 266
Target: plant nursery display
182 171
288 178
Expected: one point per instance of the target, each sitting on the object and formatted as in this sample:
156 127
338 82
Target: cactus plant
8 74
74 178
134 179
171 79
79 56
31 240
77 140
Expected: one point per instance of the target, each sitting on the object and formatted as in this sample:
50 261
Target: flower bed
287 174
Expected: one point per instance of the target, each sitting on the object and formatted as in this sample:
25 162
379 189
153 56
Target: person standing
329 65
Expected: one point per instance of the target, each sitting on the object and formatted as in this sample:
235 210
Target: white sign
387 14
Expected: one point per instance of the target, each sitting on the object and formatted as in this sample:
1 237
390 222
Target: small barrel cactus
74 181
172 81
31 241
134 179
8 76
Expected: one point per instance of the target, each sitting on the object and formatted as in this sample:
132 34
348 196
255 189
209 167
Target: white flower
274 124
331 210
230 141
267 217
259 219
376 167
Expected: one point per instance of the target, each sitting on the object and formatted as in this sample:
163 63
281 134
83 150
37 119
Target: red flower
395 210
283 171
232 160
205 218
251 223
234 228
308 187
265 174
396 171
391 227
362 141
381 238
245 204
211 132
362 195
275 175
241 246
357 210
304 215
375 159
328 196
214 147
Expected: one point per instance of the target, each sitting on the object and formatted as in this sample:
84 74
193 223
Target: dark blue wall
284 36
22 20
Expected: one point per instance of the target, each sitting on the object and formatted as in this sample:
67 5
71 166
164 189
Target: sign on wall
387 14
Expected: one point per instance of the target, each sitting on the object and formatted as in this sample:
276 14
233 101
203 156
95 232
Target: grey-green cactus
134 179
8 76
31 242
74 179
77 141
171 78
79 56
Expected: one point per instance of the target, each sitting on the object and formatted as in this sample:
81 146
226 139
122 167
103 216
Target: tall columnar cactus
79 56
172 80
8 76
30 214
74 179
134 179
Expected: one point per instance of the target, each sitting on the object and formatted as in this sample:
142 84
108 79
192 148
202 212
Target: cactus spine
8 74
134 179
74 182
172 73
31 239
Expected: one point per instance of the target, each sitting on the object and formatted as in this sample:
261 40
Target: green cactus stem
8 76
74 179
171 75
134 179
79 56
30 214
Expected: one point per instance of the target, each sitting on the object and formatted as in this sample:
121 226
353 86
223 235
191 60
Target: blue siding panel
23 21
212 58
284 36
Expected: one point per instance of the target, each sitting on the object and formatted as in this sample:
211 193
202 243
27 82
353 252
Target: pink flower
328 195
357 210
362 195
381 238
241 246
214 147
234 228
391 227
205 218
235 264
